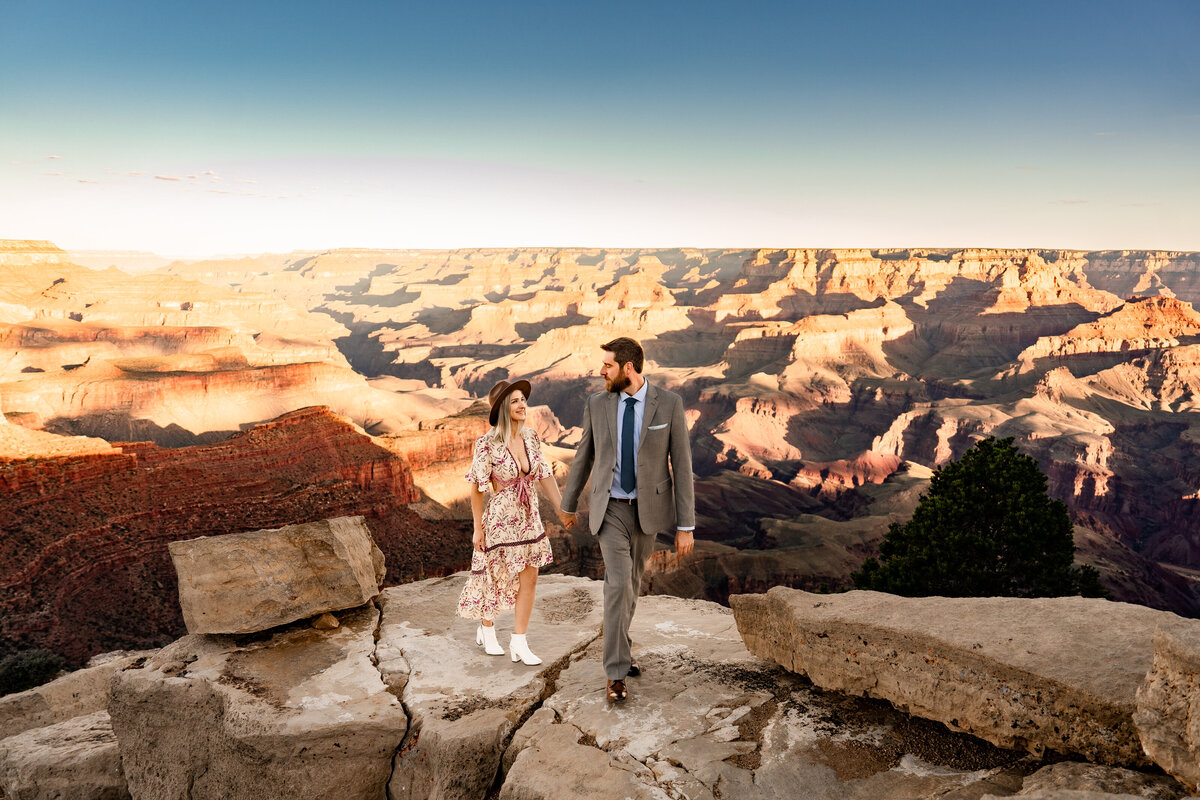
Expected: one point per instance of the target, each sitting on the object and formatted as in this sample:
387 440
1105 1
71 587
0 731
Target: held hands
684 542
567 520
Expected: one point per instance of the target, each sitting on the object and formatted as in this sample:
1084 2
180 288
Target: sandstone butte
84 566
398 701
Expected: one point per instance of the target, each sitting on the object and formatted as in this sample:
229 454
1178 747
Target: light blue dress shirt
639 411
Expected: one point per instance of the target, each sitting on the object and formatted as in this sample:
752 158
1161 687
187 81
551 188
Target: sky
195 129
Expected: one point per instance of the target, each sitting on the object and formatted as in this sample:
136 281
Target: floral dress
512 528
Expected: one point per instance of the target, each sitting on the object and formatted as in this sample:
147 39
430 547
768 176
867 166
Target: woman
510 542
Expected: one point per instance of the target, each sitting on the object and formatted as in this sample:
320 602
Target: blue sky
221 127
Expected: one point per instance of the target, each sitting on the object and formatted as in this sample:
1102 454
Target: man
630 433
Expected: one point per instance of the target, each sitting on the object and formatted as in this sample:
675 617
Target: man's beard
617 384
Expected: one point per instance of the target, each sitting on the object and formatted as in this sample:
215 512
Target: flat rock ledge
73 695
705 720
248 582
463 704
1047 673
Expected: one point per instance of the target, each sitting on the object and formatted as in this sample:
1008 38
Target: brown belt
628 500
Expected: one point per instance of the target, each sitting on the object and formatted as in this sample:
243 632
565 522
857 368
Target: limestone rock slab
299 713
1058 673
463 704
72 760
1081 776
707 719
75 694
1168 702
247 582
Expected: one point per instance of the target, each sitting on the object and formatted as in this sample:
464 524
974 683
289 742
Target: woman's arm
550 487
477 540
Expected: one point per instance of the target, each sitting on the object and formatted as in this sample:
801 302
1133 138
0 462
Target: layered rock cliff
108 354
83 539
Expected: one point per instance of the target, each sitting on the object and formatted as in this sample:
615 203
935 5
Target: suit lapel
610 416
648 413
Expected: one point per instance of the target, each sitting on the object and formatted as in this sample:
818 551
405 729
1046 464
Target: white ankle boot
485 637
519 648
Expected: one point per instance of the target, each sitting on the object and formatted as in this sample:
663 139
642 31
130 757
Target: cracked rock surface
463 704
399 702
293 712
707 720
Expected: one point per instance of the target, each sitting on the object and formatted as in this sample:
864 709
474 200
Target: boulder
72 760
463 704
297 713
1168 702
247 582
1020 673
75 694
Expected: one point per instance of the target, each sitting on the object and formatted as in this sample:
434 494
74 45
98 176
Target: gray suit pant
625 549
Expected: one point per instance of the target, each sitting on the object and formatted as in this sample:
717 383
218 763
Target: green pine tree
985 528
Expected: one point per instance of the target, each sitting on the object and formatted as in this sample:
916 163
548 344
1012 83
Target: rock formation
398 701
1167 703
247 582
84 566
77 759
301 713
1022 673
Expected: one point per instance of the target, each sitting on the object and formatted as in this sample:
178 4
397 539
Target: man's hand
683 543
477 540
567 520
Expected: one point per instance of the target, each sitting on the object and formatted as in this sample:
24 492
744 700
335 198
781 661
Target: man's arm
681 471
681 468
581 466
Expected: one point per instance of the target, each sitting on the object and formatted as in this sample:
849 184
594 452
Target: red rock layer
84 566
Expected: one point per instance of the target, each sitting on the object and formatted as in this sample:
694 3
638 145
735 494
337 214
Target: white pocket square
658 427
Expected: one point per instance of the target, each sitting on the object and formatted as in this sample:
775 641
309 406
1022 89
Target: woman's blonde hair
503 428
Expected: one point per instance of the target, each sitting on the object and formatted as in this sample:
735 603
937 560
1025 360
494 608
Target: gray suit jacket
665 497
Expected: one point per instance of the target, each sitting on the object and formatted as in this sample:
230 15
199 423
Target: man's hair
626 351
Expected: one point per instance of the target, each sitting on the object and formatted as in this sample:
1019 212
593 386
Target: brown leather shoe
634 669
615 691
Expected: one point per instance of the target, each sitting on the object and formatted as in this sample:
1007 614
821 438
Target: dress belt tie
524 485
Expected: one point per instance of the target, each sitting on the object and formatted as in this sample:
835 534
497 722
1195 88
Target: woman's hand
477 540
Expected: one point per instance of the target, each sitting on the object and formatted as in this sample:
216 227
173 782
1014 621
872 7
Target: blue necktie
628 468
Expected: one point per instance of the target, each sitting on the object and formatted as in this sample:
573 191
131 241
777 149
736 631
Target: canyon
822 388
822 385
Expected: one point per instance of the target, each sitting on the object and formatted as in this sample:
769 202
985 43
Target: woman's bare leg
524 604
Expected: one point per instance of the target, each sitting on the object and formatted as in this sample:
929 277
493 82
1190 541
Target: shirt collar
640 395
